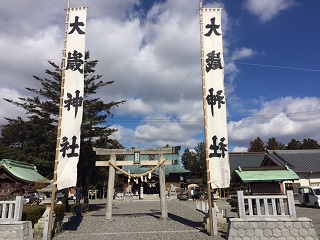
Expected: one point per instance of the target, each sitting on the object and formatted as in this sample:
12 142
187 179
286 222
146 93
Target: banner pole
54 184
205 121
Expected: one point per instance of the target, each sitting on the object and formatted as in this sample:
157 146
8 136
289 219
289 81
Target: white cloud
123 135
231 69
134 107
284 118
243 53
265 10
240 149
9 110
23 57
155 63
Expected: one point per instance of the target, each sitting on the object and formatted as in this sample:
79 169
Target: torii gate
136 162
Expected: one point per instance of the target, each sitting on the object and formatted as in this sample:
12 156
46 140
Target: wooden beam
130 163
168 150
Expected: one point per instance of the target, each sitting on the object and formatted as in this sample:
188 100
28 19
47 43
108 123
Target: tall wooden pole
54 184
205 119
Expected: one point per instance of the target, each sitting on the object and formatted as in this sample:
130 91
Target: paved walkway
140 219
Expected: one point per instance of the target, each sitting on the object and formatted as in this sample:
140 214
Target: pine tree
309 143
273 144
34 140
256 145
294 144
195 161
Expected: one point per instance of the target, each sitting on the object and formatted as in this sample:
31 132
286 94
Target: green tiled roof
177 168
267 175
21 170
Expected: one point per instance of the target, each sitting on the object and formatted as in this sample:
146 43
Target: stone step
151 197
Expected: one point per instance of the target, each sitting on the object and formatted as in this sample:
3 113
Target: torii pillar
163 195
112 173
162 181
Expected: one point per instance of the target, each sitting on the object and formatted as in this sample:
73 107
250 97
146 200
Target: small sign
136 157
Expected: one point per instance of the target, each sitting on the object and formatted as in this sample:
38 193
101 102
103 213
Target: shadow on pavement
73 223
185 221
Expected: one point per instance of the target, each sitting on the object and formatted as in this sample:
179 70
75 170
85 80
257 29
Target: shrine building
17 175
175 174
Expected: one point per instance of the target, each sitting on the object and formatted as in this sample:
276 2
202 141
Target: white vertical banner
69 151
214 98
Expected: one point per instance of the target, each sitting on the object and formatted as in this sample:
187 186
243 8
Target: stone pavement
140 219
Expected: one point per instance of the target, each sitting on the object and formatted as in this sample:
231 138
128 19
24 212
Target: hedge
32 213
35 212
74 207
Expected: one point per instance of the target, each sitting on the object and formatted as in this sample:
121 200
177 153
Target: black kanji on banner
212 28
75 102
65 146
75 61
76 26
213 61
218 147
213 99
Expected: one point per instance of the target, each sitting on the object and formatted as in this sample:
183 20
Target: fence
202 206
270 206
11 210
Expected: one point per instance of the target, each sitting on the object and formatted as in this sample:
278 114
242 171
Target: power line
278 66
201 119
168 96
170 60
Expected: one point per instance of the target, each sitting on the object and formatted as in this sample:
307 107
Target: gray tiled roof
245 159
298 160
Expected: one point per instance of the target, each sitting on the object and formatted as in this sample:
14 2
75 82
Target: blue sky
151 50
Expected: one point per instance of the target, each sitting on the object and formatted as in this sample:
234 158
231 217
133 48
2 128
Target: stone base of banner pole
112 173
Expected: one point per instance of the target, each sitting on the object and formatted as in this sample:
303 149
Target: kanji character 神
213 99
75 102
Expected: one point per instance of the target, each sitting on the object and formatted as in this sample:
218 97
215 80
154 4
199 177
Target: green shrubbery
34 213
59 210
74 207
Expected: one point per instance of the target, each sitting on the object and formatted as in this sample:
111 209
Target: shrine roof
266 174
245 159
304 160
168 169
24 171
175 168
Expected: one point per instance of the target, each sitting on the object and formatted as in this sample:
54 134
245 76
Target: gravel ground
141 220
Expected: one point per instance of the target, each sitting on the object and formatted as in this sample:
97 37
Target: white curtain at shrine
72 98
215 101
